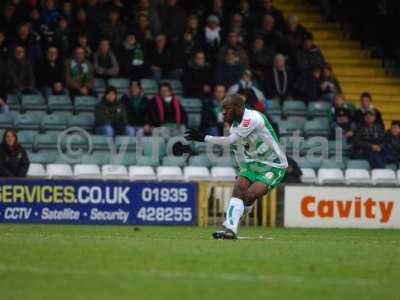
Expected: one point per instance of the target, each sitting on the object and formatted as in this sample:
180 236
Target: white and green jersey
258 144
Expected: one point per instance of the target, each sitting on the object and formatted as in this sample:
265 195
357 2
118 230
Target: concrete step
337 43
353 62
338 52
377 98
304 16
327 35
358 71
366 81
373 88
320 26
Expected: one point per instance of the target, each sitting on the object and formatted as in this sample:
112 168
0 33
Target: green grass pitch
113 262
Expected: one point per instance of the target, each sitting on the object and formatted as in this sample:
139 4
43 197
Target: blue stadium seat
85 103
7 120
59 103
14 102
54 122
33 102
46 141
294 108
26 139
83 120
318 109
27 121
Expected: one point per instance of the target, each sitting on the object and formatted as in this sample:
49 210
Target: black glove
194 135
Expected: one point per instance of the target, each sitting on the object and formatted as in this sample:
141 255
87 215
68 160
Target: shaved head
234 100
233 108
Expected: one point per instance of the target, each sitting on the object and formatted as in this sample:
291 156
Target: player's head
233 108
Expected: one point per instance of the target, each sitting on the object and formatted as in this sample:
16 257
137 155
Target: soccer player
258 153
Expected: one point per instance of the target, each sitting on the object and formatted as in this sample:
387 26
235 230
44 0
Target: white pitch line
260 237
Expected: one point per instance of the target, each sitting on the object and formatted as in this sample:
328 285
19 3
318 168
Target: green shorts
271 177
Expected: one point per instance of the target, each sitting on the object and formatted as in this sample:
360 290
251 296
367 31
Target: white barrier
345 207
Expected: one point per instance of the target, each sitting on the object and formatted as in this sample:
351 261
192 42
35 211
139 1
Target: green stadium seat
319 109
146 161
27 121
294 108
288 127
147 143
46 141
126 159
7 120
149 86
54 122
316 127
287 144
179 161
100 142
122 141
309 163
224 162
26 138
33 102
82 120
13 102
59 103
85 103
199 147
274 107
332 164
199 161
194 120
192 105
314 146
98 158
43 157
99 85
392 166
121 84
358 164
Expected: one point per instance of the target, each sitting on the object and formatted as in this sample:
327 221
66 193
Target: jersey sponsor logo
269 175
246 122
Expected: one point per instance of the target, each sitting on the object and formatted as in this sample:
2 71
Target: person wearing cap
368 141
310 56
343 121
366 105
392 143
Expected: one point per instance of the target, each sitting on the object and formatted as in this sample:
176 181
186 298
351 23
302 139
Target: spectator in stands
212 37
131 58
294 35
104 61
82 25
267 8
293 171
192 27
278 80
14 161
83 42
144 8
20 70
340 103
114 29
342 120
309 85
368 141
161 59
4 49
196 78
232 42
135 103
330 86
79 73
143 31
172 19
217 10
261 57
310 56
248 14
272 37
95 13
392 143
110 116
49 14
212 120
30 41
230 70
237 26
62 36
50 72
8 19
366 105
166 108
245 87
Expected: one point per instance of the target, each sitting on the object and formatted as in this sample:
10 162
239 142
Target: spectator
95 13
212 36
8 19
217 10
237 26
309 86
4 49
310 57
340 103
143 31
267 8
50 72
249 17
172 19
131 58
82 25
392 143
79 73
212 120
104 61
62 36
14 161
230 70
232 42
196 79
145 9
278 80
192 27
166 108
245 87
261 57
343 121
113 29
83 42
110 116
294 35
368 141
330 87
30 41
135 103
49 14
21 72
366 105
272 37
293 172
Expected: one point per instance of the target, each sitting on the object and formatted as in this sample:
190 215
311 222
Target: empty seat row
298 108
120 172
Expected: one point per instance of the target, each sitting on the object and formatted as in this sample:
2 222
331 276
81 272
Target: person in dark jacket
110 116
20 70
172 19
392 143
50 72
114 29
212 120
261 57
309 86
230 70
293 172
366 105
135 103
14 161
267 8
278 80
166 108
368 141
310 56
272 37
104 61
30 41
293 36
196 78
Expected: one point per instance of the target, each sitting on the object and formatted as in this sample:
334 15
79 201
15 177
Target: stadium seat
121 84
199 161
46 141
308 176
314 146
27 121
223 174
169 173
357 176
224 162
126 143
392 166
85 103
86 171
7 120
332 164
318 109
59 103
101 142
274 107
59 171
287 144
43 157
383 177
26 138
83 120
13 102
36 170
151 144
314 163
142 173
142 160
114 172
196 173
99 85
149 86
358 164
125 159
330 176
294 108
194 120
316 127
299 120
33 102
54 122
98 158
199 148
192 105
288 127
179 161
